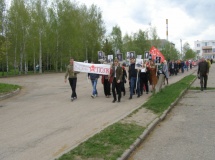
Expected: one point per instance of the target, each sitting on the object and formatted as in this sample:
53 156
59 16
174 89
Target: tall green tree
116 35
18 27
2 38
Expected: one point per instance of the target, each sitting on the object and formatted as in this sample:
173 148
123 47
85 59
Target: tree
116 41
170 52
188 52
107 47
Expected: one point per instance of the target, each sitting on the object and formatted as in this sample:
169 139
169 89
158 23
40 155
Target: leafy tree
116 41
107 47
141 42
190 54
128 43
170 52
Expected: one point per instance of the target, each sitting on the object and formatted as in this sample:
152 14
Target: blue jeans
133 84
94 83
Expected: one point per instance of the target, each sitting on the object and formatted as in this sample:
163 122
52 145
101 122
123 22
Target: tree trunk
40 59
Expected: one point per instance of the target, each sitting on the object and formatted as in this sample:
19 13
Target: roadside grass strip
6 88
110 143
160 101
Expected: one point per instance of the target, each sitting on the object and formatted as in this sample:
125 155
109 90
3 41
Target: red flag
156 53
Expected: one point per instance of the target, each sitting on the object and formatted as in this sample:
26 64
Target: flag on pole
156 53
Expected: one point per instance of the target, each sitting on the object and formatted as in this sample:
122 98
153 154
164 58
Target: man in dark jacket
117 78
203 70
133 78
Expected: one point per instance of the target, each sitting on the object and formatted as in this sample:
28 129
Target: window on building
198 51
198 45
213 50
206 44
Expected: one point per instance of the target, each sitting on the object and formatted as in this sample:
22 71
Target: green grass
162 100
12 73
109 144
6 88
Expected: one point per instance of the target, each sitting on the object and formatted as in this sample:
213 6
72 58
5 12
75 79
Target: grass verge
6 88
111 142
163 99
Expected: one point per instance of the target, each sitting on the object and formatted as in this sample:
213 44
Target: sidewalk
188 130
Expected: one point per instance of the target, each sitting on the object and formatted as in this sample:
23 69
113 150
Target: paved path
188 131
42 123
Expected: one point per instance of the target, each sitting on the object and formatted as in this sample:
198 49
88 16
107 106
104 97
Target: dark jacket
203 68
124 75
132 72
119 73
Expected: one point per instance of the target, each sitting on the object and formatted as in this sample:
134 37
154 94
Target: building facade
205 48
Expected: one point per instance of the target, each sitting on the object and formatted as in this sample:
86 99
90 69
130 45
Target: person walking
209 64
117 78
134 80
203 70
144 74
187 64
152 75
94 79
72 78
165 72
182 66
172 68
124 77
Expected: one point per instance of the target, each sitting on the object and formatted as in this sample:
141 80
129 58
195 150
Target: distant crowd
139 79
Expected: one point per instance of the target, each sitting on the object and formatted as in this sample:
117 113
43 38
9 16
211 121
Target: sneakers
93 96
73 98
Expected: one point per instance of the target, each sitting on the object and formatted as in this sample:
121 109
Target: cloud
187 20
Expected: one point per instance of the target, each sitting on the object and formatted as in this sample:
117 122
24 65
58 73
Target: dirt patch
143 117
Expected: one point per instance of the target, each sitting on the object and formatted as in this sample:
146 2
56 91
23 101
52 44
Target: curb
8 95
151 126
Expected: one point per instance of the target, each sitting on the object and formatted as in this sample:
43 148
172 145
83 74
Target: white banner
92 68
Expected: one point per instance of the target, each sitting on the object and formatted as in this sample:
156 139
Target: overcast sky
189 20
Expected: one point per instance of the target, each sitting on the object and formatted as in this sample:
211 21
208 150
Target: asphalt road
188 131
42 123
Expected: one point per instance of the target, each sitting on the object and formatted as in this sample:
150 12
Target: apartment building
205 48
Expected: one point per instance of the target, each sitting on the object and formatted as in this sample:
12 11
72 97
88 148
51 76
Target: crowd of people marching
139 79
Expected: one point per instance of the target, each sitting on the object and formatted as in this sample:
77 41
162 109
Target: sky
188 20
